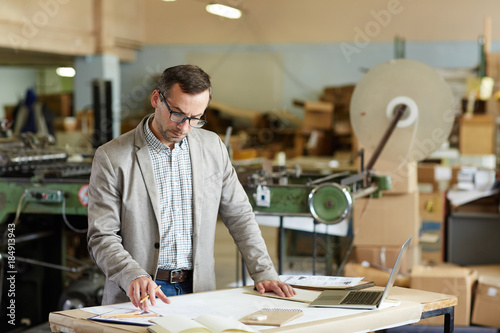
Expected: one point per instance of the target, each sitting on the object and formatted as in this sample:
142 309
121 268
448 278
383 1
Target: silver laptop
361 299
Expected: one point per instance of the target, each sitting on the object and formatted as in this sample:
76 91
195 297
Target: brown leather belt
174 276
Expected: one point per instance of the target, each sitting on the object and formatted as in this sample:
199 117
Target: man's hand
141 287
280 288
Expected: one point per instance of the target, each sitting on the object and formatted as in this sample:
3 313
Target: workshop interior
351 126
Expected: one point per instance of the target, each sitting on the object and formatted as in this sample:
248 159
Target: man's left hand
280 288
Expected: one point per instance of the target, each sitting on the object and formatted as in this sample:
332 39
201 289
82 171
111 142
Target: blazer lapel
146 166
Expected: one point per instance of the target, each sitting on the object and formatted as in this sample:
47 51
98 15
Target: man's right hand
141 287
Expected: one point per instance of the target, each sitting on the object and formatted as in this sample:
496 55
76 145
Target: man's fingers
152 294
280 288
162 297
260 287
279 291
289 291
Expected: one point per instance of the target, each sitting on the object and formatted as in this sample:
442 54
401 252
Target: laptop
361 299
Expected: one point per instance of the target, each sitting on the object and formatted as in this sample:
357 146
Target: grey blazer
124 210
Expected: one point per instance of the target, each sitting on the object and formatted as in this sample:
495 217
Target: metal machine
43 222
401 110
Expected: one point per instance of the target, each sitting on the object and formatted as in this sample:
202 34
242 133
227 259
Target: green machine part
383 183
286 200
27 197
330 203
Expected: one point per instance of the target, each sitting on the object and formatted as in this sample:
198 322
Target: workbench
410 306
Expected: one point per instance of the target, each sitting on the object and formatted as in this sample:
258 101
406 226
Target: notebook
272 317
361 299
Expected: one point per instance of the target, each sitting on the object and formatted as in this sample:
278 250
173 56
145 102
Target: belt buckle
172 273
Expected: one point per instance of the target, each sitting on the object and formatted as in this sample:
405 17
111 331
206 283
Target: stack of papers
323 282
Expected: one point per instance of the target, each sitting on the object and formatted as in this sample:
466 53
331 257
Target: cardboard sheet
237 304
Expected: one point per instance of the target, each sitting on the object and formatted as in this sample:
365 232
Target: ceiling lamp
66 71
224 11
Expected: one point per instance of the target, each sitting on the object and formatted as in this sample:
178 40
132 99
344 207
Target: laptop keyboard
362 297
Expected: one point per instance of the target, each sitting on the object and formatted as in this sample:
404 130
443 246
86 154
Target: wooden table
413 305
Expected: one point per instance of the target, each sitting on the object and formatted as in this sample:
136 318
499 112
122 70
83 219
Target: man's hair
191 79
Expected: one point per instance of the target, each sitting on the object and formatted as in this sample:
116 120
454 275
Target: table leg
281 246
449 321
449 317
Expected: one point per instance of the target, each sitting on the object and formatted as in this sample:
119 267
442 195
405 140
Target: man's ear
155 98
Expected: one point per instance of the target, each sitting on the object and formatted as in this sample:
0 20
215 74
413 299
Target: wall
308 45
305 68
14 81
304 45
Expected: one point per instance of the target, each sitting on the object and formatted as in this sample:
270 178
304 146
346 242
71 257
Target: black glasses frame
200 122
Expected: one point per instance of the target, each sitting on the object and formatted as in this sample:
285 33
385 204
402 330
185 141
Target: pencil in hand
147 296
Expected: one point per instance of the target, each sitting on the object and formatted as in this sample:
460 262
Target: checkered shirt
172 171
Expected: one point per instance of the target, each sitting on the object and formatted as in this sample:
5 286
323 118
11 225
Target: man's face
192 106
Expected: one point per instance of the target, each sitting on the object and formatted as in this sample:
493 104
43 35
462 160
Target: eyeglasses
179 118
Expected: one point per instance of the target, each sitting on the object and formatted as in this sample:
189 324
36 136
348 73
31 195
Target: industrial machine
43 222
400 110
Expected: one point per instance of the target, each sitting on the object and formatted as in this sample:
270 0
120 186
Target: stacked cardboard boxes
433 180
486 306
449 280
477 134
382 225
314 138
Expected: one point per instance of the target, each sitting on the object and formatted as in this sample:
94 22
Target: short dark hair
191 79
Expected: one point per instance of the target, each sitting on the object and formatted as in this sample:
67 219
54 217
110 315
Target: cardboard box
432 206
318 115
433 177
403 175
60 104
486 305
477 135
486 308
384 257
447 279
378 276
386 221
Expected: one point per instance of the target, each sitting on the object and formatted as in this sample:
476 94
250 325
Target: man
154 196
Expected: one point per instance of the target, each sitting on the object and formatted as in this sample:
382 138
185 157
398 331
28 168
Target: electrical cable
81 231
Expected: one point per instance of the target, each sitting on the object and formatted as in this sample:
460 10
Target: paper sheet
320 280
143 320
238 304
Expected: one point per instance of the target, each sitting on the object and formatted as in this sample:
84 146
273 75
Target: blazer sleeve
237 214
104 232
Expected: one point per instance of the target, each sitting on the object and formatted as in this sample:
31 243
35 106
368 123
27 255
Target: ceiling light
168 0
224 11
66 71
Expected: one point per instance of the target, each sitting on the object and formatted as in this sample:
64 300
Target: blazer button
157 245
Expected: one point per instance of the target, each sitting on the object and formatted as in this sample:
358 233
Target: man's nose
184 126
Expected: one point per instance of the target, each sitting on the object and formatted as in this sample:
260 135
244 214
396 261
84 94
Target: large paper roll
429 115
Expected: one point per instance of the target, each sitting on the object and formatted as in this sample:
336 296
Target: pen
130 315
138 315
120 315
147 296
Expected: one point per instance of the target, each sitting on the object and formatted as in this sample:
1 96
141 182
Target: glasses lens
177 117
180 118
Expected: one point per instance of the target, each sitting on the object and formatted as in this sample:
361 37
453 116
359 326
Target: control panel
44 195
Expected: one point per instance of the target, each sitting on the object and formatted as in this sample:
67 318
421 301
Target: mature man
154 197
